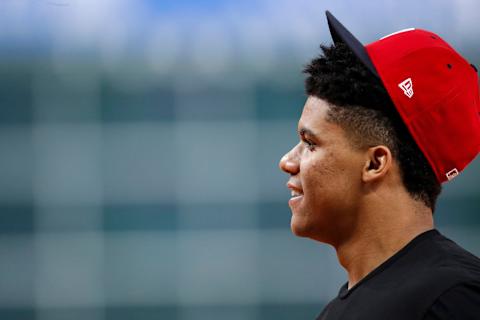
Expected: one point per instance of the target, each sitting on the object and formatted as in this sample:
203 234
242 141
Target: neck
379 235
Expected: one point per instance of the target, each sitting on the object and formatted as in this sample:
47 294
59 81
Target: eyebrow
305 131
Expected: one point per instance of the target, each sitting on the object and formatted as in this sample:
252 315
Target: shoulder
442 255
451 266
457 260
459 302
431 267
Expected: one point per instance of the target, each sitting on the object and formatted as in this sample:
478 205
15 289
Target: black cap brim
340 34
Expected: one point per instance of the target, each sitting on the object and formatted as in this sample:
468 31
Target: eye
310 145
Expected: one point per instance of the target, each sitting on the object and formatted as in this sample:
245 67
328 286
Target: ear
378 163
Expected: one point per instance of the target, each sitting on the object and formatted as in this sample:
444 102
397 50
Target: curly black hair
361 105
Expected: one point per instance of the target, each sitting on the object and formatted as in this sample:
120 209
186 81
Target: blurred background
139 145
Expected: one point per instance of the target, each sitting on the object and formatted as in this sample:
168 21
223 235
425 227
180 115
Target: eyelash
310 145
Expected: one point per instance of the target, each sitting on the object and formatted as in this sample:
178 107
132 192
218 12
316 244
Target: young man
383 126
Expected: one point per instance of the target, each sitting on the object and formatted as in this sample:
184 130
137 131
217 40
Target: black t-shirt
430 278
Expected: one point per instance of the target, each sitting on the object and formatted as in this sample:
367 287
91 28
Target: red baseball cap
434 89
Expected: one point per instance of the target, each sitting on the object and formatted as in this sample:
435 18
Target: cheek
317 169
327 174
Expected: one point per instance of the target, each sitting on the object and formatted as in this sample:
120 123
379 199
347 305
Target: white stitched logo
407 87
452 174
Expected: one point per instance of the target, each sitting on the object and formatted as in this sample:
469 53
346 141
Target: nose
289 162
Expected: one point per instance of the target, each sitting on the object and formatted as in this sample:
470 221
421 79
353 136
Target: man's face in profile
325 176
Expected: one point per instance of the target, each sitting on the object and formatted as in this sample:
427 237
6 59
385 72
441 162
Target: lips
296 193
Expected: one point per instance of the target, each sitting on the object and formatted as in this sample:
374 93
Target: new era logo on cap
407 87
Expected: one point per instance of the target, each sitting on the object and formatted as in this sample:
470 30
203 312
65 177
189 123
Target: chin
304 229
300 228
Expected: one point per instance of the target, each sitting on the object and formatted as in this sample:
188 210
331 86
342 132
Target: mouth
296 195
